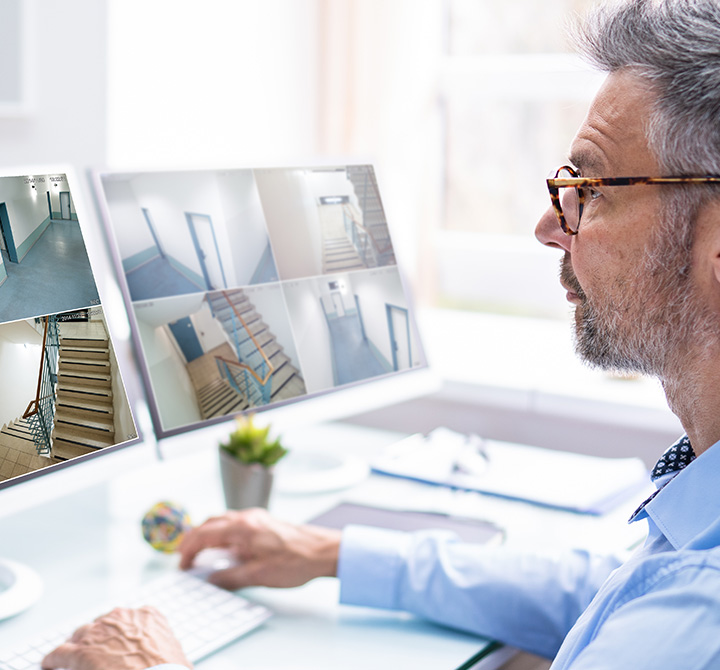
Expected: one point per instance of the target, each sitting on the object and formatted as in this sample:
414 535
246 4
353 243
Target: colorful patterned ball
164 526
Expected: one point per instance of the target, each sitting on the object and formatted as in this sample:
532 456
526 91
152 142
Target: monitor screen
62 396
252 289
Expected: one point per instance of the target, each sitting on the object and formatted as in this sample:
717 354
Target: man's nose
549 232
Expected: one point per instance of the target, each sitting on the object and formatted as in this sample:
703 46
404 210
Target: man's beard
648 321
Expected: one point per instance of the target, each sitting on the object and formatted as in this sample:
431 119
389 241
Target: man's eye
590 193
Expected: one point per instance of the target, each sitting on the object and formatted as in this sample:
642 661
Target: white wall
167 197
55 186
131 229
345 290
157 313
222 82
173 388
20 353
245 221
292 218
269 302
122 415
68 79
229 198
375 289
27 206
209 331
330 183
311 334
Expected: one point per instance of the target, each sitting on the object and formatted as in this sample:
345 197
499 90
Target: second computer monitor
62 397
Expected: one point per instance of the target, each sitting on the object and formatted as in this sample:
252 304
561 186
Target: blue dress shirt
659 610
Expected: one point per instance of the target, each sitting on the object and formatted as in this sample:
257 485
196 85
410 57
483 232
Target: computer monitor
262 289
63 403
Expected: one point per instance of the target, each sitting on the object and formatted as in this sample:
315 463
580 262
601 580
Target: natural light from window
463 106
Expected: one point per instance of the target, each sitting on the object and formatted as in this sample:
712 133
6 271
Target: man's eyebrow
588 163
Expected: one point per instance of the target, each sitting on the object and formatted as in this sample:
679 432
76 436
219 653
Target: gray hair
675 46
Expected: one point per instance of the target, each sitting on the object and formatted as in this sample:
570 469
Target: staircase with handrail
250 375
368 229
254 370
84 418
72 412
339 253
18 452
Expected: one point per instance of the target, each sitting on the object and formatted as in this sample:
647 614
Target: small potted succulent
246 464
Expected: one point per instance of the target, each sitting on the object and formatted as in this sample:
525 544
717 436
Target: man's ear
710 219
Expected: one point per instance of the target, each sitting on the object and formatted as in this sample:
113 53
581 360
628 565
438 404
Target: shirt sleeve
525 600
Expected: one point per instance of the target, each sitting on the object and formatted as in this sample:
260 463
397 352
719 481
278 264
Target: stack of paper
576 482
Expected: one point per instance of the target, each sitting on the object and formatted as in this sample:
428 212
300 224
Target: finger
215 533
116 618
157 616
116 614
197 540
61 657
237 577
80 633
123 612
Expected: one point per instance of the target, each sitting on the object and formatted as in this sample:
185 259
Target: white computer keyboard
203 617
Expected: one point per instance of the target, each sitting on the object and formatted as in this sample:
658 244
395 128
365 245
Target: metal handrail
261 387
36 402
351 215
271 367
245 366
41 410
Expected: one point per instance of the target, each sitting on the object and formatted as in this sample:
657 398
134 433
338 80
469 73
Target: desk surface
89 550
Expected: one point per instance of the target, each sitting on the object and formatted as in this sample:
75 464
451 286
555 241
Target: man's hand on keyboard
270 552
124 639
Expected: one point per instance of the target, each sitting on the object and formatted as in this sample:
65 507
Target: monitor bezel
96 250
423 378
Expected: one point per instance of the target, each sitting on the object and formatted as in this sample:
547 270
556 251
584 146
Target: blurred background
463 106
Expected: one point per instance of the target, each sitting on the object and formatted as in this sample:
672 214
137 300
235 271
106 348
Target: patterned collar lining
676 458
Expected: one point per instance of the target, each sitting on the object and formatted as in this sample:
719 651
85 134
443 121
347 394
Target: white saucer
317 472
20 587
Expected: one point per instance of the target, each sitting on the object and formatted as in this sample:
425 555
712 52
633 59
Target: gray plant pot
245 485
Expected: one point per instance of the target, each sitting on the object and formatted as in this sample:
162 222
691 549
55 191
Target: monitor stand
20 587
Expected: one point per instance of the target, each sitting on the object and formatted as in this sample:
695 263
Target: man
641 264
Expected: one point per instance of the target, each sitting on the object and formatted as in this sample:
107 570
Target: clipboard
547 477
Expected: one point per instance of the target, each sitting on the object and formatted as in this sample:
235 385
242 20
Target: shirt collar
684 507
676 458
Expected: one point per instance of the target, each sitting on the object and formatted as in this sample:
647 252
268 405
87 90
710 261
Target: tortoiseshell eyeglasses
569 192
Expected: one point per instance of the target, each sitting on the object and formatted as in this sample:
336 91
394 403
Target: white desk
89 550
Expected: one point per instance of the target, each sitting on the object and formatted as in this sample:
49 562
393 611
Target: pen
473 459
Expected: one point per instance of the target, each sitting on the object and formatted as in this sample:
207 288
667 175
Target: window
512 96
464 106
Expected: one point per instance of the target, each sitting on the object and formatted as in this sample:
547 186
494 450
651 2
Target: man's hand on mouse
269 552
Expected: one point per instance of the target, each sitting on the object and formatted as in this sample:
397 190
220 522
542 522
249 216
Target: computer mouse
212 560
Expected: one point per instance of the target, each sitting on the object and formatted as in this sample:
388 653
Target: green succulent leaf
251 444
